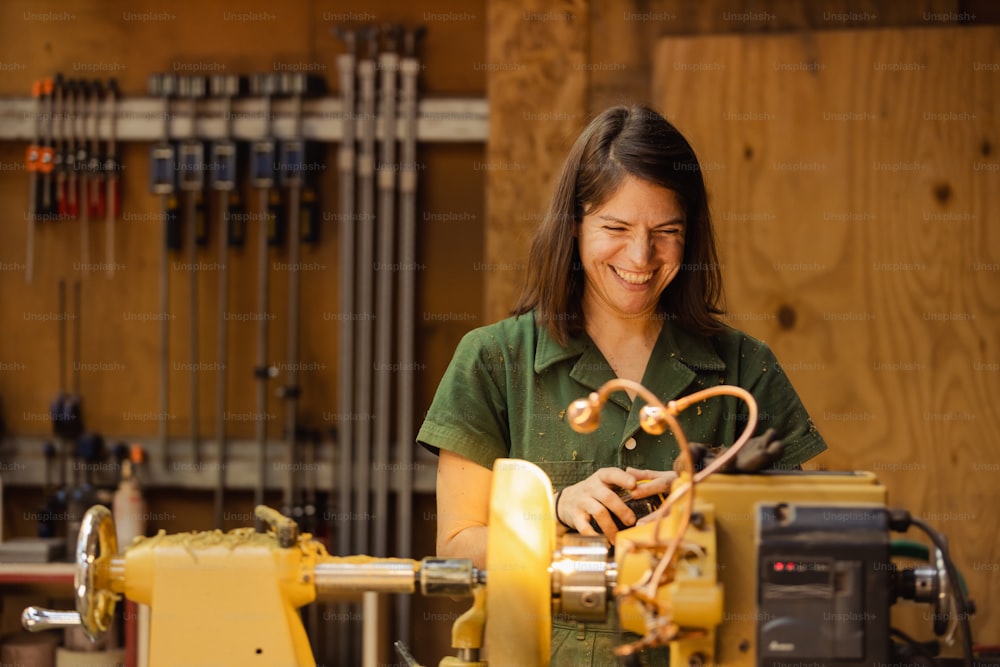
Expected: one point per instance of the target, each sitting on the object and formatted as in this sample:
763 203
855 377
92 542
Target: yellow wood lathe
764 569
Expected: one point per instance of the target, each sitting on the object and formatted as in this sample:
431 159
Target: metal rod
33 164
366 242
345 374
94 164
60 114
47 151
77 349
222 347
263 163
343 478
72 166
193 323
85 178
191 213
389 66
96 177
346 575
111 168
191 177
263 286
164 293
224 180
293 174
77 334
162 184
63 386
409 73
442 119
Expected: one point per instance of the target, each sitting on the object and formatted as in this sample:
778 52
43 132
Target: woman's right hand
597 498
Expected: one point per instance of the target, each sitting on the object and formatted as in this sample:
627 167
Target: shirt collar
695 352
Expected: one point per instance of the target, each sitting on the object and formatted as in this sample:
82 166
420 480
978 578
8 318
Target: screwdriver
59 158
111 169
32 161
96 163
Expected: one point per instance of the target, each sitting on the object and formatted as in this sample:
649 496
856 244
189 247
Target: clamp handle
95 604
36 619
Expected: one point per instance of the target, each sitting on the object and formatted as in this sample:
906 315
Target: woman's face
631 247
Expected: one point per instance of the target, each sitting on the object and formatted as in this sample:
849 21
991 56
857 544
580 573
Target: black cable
916 646
961 603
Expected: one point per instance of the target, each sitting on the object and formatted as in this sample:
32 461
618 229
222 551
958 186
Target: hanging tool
291 175
96 164
366 257
310 212
222 178
343 468
277 216
72 167
409 73
388 65
55 496
112 167
65 410
310 209
59 144
46 161
33 160
84 164
191 167
262 178
345 331
161 172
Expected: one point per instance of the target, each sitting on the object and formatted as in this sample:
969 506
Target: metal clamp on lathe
764 570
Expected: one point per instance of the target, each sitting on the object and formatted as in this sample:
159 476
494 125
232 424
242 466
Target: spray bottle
129 507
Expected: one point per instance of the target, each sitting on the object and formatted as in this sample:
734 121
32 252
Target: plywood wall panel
539 70
853 180
624 34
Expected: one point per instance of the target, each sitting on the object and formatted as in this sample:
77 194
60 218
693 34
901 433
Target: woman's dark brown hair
639 142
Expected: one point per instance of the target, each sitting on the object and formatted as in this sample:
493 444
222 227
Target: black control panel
825 584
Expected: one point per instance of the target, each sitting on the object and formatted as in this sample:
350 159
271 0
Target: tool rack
141 119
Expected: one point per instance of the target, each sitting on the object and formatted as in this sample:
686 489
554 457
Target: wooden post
538 77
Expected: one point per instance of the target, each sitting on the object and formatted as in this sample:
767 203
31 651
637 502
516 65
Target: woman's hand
597 498
659 482
653 482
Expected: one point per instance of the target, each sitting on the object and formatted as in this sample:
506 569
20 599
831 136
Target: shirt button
630 444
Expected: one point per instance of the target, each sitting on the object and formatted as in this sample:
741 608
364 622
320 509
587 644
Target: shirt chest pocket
566 473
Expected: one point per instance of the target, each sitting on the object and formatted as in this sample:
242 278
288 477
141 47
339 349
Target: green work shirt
506 390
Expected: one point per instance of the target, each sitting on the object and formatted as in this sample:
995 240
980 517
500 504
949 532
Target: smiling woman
622 281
